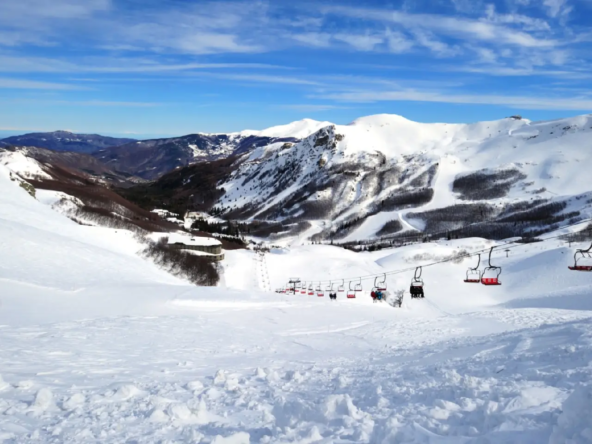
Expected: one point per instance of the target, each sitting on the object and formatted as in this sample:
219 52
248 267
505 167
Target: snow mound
574 425
44 400
236 438
3 384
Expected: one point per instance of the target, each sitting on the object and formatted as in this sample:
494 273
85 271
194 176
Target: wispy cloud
11 11
113 65
311 108
557 7
32 84
457 27
314 39
522 102
360 42
111 103
263 78
436 46
506 71
90 103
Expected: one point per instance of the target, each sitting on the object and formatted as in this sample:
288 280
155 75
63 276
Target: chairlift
416 287
473 274
303 288
491 269
351 293
341 287
293 285
380 286
358 288
329 288
584 254
319 291
311 290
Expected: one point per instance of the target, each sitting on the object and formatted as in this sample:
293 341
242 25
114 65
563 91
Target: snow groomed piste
489 276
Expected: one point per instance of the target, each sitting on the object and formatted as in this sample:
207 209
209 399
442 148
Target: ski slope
98 345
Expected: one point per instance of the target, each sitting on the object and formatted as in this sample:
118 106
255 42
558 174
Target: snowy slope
297 130
356 178
99 345
24 166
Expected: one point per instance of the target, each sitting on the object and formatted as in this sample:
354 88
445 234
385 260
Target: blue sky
171 67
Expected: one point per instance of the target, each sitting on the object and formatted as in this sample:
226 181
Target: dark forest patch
483 185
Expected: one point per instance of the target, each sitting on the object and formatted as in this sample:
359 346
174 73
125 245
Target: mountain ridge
63 140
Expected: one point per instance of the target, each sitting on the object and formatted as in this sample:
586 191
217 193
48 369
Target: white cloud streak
556 8
457 27
311 108
8 83
521 102
113 65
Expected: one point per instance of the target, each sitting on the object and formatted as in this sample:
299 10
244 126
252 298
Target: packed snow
193 241
99 345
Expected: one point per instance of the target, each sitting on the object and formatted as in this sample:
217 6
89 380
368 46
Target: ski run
98 345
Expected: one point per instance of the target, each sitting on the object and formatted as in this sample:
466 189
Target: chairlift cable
509 245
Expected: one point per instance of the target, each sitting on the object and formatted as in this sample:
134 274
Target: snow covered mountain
384 175
64 141
152 158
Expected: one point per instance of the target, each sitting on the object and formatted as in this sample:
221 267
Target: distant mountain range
381 176
65 141
149 159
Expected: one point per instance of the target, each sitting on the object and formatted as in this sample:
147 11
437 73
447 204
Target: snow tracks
180 383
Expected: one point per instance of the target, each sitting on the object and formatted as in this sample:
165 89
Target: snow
298 129
164 213
197 153
197 241
22 165
99 345
574 424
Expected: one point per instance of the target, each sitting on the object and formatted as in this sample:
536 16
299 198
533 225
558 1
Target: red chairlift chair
358 288
319 291
351 293
381 286
491 269
584 254
473 274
